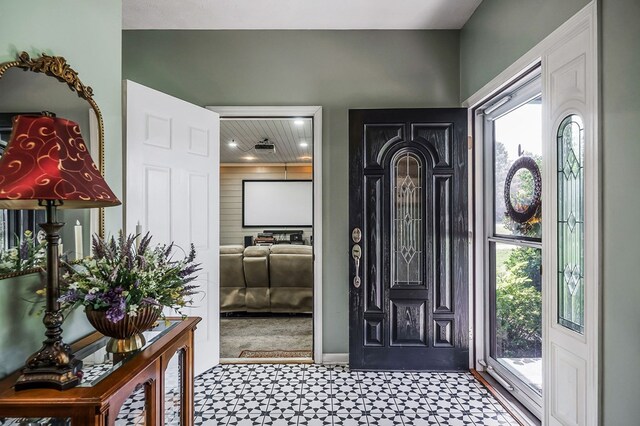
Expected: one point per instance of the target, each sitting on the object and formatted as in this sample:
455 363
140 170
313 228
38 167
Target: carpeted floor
239 334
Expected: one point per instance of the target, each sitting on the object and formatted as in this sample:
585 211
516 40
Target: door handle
356 252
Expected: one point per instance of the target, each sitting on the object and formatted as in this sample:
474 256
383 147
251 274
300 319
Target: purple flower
117 311
149 301
117 302
115 314
71 296
24 250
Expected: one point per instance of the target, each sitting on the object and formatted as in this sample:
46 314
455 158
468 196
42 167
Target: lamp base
60 378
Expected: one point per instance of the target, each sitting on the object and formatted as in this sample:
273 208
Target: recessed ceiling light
304 144
298 122
232 144
248 158
306 158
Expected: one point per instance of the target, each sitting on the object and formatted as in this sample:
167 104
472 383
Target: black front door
408 281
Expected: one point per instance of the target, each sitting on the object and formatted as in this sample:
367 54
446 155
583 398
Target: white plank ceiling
284 133
297 14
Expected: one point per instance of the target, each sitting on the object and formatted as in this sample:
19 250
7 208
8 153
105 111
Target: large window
513 159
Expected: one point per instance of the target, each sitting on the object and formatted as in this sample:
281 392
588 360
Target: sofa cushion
232 282
256 251
291 249
256 272
291 268
231 249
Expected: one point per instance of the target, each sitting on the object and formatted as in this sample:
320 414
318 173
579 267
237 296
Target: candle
138 234
60 249
79 245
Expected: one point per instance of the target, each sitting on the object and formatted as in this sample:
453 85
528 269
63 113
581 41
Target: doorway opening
267 238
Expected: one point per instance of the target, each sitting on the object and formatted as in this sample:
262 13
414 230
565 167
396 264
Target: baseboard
339 358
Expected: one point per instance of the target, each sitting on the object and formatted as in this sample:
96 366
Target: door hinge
470 334
470 142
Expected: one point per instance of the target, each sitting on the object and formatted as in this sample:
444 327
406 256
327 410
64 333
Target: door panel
408 195
171 186
570 256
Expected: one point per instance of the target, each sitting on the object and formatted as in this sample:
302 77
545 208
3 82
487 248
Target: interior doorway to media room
270 234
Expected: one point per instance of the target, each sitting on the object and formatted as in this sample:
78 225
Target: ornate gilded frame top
57 67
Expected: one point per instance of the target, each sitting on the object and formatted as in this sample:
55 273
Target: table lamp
47 165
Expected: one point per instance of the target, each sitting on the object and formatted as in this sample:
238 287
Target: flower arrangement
28 253
123 278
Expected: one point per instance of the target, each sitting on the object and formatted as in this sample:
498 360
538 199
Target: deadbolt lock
356 235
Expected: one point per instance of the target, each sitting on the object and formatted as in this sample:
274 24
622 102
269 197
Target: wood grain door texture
408 198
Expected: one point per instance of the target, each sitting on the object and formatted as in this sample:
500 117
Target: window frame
528 87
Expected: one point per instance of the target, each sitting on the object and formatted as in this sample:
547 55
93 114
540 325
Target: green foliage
123 277
526 262
502 164
28 253
519 304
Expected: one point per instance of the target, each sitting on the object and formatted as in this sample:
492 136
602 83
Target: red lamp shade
47 159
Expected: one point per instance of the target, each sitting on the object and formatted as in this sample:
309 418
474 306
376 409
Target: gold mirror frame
57 67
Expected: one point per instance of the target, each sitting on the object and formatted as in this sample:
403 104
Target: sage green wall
22 331
335 69
500 31
490 46
620 59
88 33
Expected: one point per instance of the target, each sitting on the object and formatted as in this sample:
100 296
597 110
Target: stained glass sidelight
571 223
407 212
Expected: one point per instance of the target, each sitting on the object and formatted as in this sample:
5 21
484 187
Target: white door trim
585 18
316 113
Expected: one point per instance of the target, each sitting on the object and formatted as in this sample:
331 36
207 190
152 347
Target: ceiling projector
265 147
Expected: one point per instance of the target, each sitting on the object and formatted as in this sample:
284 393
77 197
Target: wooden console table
153 386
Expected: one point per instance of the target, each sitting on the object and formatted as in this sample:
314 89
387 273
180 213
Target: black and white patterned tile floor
299 394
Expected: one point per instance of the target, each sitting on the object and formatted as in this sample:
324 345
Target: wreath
530 211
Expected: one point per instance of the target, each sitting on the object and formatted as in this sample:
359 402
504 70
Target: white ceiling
297 14
284 133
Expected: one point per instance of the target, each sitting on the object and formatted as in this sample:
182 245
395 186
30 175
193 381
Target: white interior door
172 187
570 241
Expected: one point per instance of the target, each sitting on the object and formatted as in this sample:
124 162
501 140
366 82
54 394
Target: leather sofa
256 277
266 279
232 284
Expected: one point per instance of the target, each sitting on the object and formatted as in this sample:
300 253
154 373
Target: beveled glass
571 223
135 408
32 421
173 397
98 363
407 216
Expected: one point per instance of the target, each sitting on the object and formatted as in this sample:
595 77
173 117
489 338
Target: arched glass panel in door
407 216
571 223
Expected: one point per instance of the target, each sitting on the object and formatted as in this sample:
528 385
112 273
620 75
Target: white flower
73 286
93 290
133 311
